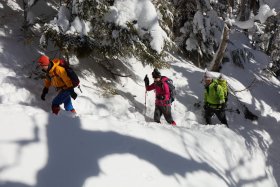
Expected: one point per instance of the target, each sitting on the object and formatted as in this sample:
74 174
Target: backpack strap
56 75
225 94
216 86
165 82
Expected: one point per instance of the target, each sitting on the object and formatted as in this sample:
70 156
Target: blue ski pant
63 97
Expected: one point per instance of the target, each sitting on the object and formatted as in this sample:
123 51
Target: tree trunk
254 5
25 10
244 12
198 5
230 7
231 3
218 57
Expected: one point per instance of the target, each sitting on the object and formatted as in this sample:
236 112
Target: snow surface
264 12
113 141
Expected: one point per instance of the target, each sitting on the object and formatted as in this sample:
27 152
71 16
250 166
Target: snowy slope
113 141
273 3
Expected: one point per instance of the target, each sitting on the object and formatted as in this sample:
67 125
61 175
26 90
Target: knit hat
221 77
208 75
156 73
44 60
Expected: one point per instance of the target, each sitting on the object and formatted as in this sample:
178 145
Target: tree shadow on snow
22 143
138 107
255 135
73 155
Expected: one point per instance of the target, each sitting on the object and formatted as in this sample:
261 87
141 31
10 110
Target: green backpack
223 83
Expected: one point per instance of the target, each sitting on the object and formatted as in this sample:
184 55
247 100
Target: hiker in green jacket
214 100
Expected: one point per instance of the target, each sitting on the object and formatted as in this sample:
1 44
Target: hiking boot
55 109
173 123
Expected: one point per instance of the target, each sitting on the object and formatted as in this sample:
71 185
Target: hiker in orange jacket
57 77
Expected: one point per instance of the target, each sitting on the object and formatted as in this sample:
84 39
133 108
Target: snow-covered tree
38 11
202 32
147 28
270 38
269 42
109 29
27 4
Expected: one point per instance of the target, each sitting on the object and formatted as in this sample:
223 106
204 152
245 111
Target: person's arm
150 87
147 84
205 96
44 93
47 83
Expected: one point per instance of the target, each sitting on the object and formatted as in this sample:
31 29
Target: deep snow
113 141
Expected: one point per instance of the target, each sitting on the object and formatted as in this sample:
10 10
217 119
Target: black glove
146 80
74 95
205 106
160 97
223 106
226 99
44 93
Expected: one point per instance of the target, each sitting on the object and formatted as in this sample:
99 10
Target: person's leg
166 110
68 104
208 115
61 97
221 114
157 114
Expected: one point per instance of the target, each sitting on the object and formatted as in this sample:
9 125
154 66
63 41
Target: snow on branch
264 12
144 16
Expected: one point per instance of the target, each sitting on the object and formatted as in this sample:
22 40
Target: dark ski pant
166 111
220 113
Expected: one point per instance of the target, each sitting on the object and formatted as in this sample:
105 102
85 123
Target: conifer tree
87 28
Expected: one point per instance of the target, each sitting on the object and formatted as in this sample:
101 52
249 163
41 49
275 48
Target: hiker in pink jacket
163 102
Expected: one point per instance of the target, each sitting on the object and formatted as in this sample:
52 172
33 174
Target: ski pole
233 110
80 89
145 101
247 113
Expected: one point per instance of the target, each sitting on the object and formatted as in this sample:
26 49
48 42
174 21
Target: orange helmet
44 60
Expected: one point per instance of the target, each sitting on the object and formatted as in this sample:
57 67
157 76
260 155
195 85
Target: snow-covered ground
113 141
